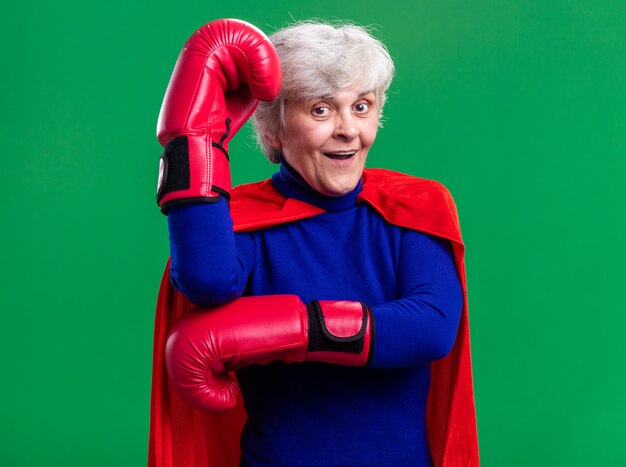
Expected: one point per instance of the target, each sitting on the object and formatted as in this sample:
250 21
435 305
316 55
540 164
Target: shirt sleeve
421 325
209 264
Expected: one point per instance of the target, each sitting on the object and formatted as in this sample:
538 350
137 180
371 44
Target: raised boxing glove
204 346
225 67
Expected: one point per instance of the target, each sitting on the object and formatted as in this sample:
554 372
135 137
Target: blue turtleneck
314 414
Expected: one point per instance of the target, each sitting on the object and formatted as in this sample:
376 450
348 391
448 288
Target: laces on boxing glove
220 144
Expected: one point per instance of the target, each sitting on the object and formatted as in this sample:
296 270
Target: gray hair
319 59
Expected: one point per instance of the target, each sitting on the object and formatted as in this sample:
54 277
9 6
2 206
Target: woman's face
326 139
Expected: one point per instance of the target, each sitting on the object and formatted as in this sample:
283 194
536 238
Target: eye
320 111
361 107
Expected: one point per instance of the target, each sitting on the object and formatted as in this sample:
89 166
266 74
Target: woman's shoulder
392 182
259 205
412 202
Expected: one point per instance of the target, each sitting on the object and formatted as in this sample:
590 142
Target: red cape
181 436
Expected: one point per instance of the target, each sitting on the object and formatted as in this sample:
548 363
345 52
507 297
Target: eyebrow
331 98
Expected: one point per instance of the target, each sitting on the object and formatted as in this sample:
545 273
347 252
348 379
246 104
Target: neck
291 185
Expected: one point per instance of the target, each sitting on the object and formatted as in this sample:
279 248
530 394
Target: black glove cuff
175 175
321 339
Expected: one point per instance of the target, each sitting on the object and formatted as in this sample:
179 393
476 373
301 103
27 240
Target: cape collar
403 200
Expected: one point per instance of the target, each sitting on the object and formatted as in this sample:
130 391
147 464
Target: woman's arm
421 325
209 265
224 67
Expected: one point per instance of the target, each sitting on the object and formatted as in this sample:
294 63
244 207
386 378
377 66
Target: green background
519 108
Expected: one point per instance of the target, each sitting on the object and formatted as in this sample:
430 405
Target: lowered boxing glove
225 67
204 346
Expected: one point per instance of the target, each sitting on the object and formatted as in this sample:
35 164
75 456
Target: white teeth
342 153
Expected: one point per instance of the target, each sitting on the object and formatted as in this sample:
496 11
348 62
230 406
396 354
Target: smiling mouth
340 155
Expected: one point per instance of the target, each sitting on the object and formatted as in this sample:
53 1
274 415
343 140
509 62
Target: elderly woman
353 276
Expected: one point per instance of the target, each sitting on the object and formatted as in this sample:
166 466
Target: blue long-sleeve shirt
320 414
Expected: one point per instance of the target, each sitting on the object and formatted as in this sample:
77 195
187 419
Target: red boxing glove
223 69
205 345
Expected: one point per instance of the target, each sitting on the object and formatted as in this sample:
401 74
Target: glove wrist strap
339 332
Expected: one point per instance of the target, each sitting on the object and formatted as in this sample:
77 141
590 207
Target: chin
339 189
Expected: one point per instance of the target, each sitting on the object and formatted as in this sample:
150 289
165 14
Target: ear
273 140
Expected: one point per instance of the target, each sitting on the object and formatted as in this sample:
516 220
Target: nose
346 125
